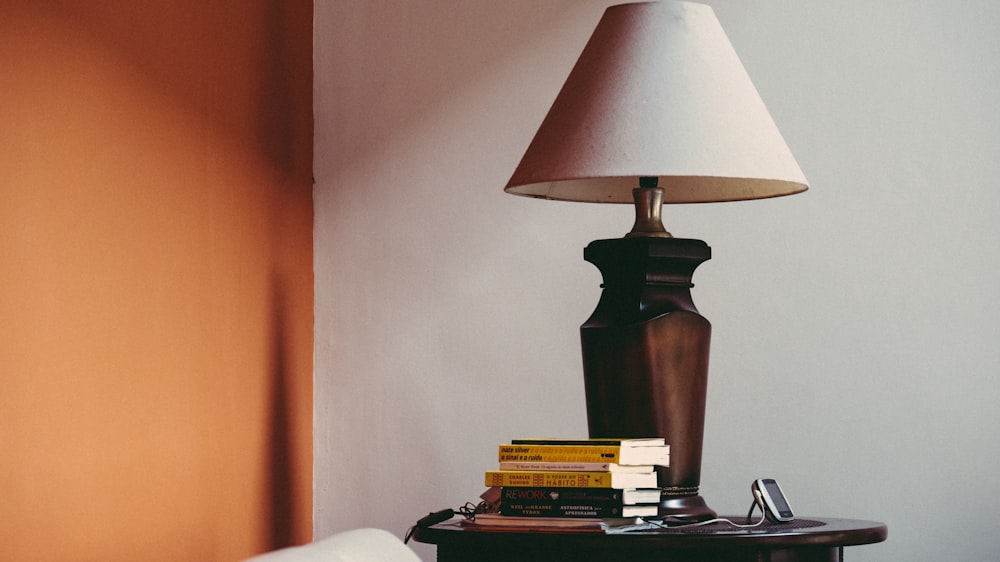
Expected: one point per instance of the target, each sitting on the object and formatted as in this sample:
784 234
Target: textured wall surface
853 352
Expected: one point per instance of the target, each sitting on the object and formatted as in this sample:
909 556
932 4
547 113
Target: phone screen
780 504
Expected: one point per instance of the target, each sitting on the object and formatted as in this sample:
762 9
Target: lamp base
691 509
645 358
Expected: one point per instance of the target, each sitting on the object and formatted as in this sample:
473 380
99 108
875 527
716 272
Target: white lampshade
658 91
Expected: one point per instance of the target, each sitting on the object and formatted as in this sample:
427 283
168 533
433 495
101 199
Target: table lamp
658 109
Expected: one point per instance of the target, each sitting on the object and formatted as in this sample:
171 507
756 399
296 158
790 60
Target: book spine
548 479
556 495
558 453
591 442
579 495
561 466
565 502
571 511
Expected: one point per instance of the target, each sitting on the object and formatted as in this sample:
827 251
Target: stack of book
572 483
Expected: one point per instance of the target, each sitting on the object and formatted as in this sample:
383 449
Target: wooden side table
807 539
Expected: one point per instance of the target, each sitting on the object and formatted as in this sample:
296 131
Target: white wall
853 353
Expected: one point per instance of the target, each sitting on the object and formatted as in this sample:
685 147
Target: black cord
756 501
430 519
468 510
709 522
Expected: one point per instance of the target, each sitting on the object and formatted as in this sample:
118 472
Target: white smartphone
772 500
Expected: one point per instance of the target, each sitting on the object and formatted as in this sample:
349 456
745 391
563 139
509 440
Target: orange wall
156 296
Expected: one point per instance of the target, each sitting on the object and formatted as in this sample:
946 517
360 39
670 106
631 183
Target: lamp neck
648 204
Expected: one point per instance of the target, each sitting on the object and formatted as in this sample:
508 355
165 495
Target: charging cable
432 518
469 511
758 501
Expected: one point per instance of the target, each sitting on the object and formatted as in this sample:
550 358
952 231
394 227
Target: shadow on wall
281 476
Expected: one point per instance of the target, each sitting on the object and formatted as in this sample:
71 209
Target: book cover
573 503
599 441
495 521
626 496
583 511
558 479
576 466
655 455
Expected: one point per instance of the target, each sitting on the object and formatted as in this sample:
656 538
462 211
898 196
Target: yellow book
578 452
569 479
